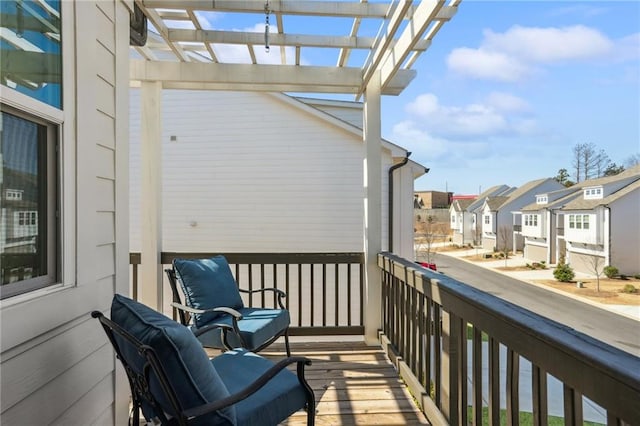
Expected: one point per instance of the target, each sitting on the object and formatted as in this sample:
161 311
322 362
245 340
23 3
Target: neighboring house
267 172
602 226
541 228
465 230
433 199
544 223
461 222
497 220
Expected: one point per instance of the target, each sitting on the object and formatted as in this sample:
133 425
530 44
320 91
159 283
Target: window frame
53 201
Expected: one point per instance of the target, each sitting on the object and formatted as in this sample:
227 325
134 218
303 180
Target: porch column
150 291
372 209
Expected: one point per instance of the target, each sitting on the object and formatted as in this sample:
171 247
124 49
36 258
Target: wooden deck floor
354 384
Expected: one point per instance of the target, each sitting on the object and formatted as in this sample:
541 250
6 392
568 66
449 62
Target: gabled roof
494 203
461 205
582 204
564 196
493 191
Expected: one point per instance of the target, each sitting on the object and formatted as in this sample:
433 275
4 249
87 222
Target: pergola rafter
182 34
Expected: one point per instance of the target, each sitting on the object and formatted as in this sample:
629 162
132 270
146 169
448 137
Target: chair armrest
252 388
281 294
223 310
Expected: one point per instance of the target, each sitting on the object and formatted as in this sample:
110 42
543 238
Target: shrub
637 276
610 271
564 273
629 288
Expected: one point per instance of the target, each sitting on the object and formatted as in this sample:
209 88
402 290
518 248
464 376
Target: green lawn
525 418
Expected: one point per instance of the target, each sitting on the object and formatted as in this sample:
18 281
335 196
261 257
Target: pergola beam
284 78
382 47
423 16
303 40
159 24
285 7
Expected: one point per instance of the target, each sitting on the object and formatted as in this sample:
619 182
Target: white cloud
547 45
485 64
507 102
520 51
468 121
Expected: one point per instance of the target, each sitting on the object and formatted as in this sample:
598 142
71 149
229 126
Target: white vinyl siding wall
57 366
249 173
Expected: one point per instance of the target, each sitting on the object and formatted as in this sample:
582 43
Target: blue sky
505 91
508 88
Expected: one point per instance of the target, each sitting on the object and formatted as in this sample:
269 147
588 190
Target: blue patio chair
215 311
174 382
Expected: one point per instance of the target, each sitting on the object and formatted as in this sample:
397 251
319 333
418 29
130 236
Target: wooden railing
324 290
443 333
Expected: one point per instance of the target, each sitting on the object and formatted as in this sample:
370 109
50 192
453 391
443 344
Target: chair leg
286 342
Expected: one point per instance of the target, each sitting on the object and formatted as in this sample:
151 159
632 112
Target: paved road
616 330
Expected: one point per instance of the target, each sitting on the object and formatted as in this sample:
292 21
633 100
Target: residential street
616 330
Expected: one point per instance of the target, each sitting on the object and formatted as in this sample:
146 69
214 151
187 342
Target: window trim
53 200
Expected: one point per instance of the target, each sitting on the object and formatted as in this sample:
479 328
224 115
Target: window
487 219
530 220
453 218
593 193
579 221
542 199
31 65
28 242
31 55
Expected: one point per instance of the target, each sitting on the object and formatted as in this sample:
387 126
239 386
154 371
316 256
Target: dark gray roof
494 203
461 205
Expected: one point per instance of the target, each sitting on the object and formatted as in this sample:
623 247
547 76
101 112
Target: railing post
453 408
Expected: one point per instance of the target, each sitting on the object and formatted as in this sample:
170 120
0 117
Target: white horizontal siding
57 367
247 173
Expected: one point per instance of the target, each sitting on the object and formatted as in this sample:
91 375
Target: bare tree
633 160
585 160
432 231
601 162
596 265
504 237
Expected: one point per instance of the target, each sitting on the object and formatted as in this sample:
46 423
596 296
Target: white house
497 220
542 227
465 217
601 225
543 222
65 76
252 172
461 222
70 111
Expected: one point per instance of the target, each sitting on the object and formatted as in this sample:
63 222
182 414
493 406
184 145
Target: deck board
354 384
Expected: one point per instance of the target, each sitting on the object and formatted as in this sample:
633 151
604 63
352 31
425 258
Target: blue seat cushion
271 404
188 369
257 326
207 283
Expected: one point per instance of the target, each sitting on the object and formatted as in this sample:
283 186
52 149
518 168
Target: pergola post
372 208
150 291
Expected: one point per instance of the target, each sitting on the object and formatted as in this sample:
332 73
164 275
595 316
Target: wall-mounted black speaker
137 27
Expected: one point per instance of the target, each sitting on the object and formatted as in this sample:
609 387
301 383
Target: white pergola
188 47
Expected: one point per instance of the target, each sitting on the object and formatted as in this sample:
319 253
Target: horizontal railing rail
446 333
325 291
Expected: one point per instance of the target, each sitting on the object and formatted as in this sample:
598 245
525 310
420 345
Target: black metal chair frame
185 313
141 390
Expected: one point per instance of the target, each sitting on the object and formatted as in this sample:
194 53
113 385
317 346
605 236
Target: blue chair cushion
278 399
188 369
207 283
257 326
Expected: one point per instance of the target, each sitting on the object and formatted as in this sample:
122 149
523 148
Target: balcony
464 355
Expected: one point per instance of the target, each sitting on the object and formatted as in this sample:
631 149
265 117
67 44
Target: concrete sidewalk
531 275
